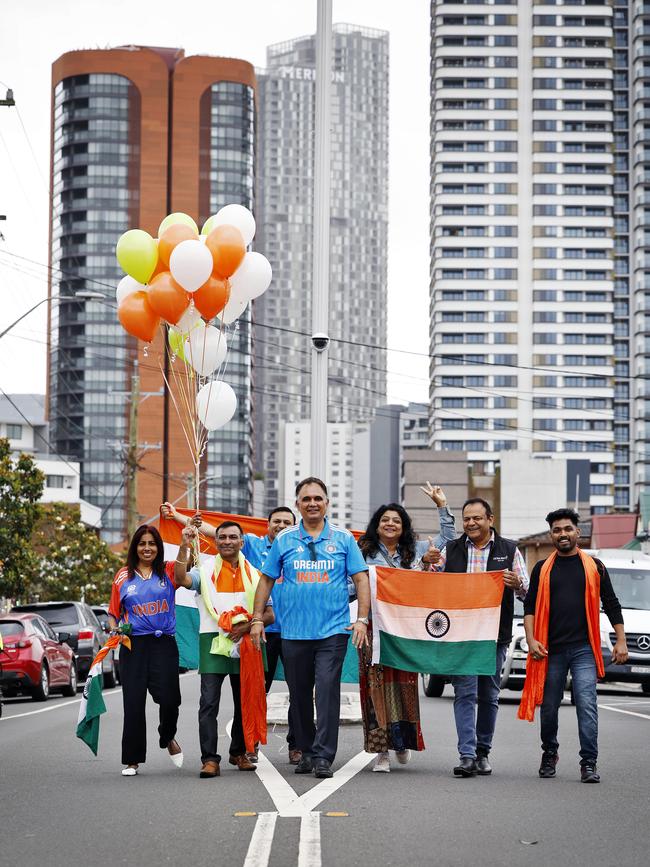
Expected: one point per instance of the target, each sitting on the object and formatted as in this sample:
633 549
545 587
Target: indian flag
92 701
435 622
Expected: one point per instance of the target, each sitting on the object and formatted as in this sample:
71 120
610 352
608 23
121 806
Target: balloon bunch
187 280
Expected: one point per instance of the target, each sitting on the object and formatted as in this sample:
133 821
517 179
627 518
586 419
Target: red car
35 659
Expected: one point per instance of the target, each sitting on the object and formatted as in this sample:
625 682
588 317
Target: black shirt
567 620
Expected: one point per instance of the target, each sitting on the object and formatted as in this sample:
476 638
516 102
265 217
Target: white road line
628 712
259 850
105 692
286 800
323 790
309 851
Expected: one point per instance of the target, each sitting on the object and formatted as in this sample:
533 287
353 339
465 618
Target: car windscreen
101 615
10 627
632 586
59 615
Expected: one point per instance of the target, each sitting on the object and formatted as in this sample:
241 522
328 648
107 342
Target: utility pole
131 458
320 291
8 101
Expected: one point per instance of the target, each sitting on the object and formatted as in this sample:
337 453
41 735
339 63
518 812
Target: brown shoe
294 756
209 770
242 762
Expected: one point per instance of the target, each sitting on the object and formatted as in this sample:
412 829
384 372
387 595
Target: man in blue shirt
315 559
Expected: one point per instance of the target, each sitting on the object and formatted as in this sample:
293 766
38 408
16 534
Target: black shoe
304 766
483 767
323 769
549 762
588 773
466 767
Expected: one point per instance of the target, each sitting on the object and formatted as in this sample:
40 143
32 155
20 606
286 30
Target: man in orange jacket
561 619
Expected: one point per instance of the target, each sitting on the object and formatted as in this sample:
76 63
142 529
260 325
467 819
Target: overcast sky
34 34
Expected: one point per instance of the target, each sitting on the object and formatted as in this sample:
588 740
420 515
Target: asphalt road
60 805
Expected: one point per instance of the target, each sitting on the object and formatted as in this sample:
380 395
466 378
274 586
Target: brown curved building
139 132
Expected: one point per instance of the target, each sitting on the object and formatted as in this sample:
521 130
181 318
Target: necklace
144 577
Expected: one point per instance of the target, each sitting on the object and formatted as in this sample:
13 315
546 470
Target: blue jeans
579 659
476 702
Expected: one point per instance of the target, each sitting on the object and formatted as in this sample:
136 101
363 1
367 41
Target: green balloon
137 253
177 343
172 219
208 226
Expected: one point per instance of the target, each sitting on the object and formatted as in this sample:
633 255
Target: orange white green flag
435 622
92 701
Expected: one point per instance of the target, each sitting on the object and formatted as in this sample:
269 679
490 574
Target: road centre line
259 850
628 712
309 848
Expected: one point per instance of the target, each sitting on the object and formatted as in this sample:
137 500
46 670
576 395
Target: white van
630 574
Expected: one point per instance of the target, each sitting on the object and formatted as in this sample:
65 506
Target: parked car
101 613
86 633
35 660
630 574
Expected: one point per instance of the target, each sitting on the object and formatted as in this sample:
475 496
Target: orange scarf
536 669
251 682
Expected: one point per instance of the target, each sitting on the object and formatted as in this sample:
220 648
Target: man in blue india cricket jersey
315 559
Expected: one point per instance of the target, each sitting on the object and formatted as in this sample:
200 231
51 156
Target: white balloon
191 264
127 286
252 278
189 320
216 404
237 216
205 349
232 311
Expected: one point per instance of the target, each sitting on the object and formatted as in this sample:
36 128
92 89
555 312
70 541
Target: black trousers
209 711
151 665
273 653
308 665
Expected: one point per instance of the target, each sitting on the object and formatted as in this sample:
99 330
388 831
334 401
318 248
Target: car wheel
110 676
71 688
433 685
645 686
42 691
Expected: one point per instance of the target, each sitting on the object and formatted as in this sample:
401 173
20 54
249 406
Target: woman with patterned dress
390 703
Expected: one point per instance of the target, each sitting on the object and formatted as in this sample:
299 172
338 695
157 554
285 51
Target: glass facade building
358 237
95 161
138 133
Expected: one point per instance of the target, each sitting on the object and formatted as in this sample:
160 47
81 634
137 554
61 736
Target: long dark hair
369 542
132 558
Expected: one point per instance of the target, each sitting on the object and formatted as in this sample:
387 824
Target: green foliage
21 487
73 562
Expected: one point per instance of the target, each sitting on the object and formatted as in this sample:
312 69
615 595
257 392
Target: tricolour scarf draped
536 669
251 666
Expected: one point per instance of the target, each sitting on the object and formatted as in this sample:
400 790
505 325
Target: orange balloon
137 317
160 266
167 298
171 237
226 243
212 297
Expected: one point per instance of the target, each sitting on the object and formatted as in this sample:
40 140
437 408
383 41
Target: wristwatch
364 620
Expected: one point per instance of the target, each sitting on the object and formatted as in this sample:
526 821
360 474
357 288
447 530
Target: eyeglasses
312 550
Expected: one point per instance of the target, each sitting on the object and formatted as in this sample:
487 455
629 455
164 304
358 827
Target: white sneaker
177 758
129 772
403 757
382 764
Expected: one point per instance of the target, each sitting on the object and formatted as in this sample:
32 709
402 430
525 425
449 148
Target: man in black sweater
573 642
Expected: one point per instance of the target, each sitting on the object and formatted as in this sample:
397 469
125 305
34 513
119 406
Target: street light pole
321 239
78 296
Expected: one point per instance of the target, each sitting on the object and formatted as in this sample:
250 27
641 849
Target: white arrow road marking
322 791
259 850
309 854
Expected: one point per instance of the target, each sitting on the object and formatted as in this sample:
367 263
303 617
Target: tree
21 487
73 562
